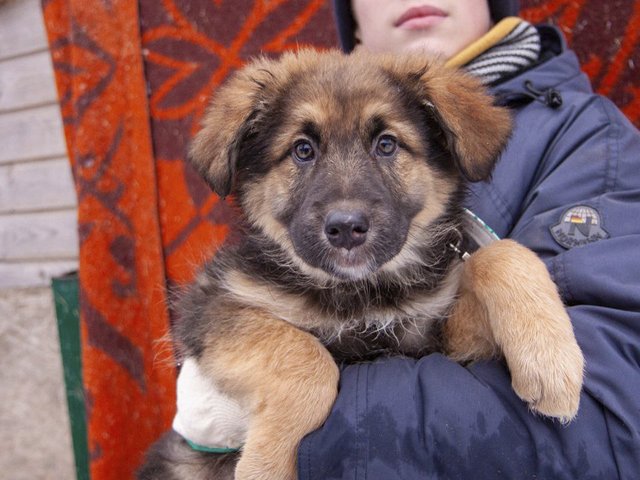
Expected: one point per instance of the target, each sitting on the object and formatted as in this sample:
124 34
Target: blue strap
202 448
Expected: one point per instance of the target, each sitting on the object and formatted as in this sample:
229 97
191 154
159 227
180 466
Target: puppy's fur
350 173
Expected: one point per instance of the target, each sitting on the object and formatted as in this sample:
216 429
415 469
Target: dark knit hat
346 24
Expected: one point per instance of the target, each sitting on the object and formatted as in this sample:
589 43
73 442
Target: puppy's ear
228 120
475 130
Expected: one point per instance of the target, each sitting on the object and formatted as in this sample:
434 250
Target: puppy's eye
386 146
303 151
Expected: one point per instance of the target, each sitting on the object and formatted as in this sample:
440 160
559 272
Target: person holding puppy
567 187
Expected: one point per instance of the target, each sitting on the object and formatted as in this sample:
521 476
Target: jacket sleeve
432 418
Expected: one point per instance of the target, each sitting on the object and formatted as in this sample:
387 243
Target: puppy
350 172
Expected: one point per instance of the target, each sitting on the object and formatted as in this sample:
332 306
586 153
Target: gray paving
35 443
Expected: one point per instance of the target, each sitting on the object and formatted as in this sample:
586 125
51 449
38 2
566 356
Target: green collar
202 448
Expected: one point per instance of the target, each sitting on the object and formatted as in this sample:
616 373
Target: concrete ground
35 443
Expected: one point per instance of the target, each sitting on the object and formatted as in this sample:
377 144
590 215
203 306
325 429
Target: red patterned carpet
133 80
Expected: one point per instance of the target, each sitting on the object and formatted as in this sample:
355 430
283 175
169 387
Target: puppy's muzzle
346 228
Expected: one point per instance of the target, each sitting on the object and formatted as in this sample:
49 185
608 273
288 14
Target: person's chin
428 48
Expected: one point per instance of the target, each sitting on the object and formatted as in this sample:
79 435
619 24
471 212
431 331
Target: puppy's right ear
228 120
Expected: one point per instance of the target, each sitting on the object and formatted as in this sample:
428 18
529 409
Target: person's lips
420 17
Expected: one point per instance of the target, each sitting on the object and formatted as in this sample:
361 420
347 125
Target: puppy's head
345 161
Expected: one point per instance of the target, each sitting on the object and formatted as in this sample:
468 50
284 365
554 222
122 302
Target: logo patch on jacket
579 226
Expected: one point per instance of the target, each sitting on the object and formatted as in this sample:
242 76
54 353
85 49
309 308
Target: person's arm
402 419
432 418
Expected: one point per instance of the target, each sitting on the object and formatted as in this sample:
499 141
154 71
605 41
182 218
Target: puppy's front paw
529 323
549 378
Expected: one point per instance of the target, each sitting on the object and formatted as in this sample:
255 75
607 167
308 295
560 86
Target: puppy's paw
550 379
530 324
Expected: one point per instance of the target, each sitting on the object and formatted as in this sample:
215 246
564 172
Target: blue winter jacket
432 418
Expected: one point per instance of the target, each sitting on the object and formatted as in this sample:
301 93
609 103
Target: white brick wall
38 234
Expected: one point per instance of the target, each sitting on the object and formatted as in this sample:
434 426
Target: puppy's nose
346 229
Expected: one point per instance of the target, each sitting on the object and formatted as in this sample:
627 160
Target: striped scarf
516 52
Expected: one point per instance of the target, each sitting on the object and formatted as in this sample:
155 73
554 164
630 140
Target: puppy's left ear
475 130
228 120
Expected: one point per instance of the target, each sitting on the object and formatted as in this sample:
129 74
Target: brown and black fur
349 251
